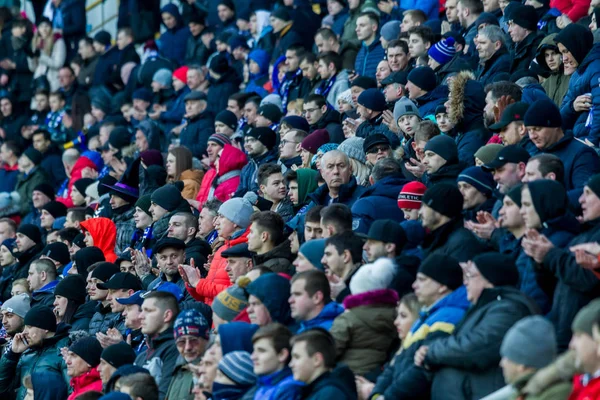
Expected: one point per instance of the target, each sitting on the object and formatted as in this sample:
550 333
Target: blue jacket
500 62
533 93
173 42
431 8
8 178
430 100
52 164
368 58
584 80
279 385
44 295
379 201
74 22
339 20
176 111
580 162
248 180
403 379
324 319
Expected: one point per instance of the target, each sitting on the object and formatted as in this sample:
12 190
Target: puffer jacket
198 249
103 319
574 9
232 164
159 359
104 234
379 201
585 124
466 364
196 133
279 260
249 177
87 382
402 379
368 58
173 42
14 366
365 332
325 319
217 278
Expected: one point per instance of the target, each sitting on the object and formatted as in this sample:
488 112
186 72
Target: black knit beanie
498 269
89 349
55 208
82 184
423 78
34 155
167 197
445 147
515 195
118 354
31 231
41 317
594 184
86 257
549 199
45 188
444 198
443 269
104 271
72 288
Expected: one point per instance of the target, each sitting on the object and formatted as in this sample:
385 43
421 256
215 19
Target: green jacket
349 33
555 391
26 184
182 383
557 84
14 367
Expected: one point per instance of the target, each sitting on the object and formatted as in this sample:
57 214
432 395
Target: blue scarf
325 86
212 237
284 91
228 392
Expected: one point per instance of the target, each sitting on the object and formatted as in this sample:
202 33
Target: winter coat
206 185
580 162
430 100
401 379
287 37
376 125
341 85
585 124
153 134
524 52
160 359
74 23
198 249
106 64
365 332
87 382
220 90
160 228
20 78
330 121
12 128
48 64
86 73
173 42
486 206
103 319
553 391
53 166
196 51
325 319
82 317
26 184
232 164
279 385
368 58
145 72
499 63
574 9
431 8
217 278
175 110
447 174
25 259
44 358
45 295
557 84
349 194
278 260
575 286
591 390
104 234
182 383
379 201
337 384
249 177
8 177
125 228
453 239
195 135
466 364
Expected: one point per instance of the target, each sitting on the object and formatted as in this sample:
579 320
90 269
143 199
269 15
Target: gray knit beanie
405 106
530 342
164 77
353 148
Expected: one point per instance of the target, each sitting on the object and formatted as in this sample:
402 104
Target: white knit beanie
375 276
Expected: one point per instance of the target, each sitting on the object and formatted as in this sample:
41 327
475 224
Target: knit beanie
372 99
45 188
443 51
390 30
181 74
281 13
526 17
227 118
312 142
445 147
163 76
364 82
543 113
82 184
353 148
72 288
297 122
238 211
479 178
118 354
55 208
549 199
87 256
586 318
270 112
273 99
238 367
273 290
498 269
594 184
18 305
167 197
103 37
375 276
444 198
34 156
530 342
313 251
31 231
230 302
191 322
345 97
219 63
577 39
144 203
423 78
405 106
10 245
89 349
220 139
488 153
57 251
41 317
443 269
264 135
515 195
411 195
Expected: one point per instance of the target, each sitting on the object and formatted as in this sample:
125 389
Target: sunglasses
377 149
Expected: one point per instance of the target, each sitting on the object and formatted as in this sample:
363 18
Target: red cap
411 195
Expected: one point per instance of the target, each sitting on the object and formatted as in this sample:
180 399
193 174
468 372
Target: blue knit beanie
191 322
238 367
313 251
390 30
479 178
372 99
443 51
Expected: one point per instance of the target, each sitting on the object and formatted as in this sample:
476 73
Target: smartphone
24 339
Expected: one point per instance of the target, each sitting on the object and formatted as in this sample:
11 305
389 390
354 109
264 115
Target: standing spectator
423 91
285 32
70 21
31 175
90 59
225 82
172 43
199 126
371 52
524 34
494 56
49 52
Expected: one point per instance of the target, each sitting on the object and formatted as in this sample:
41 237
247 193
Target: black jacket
331 122
453 239
278 260
499 63
282 43
332 385
199 250
52 164
221 89
83 316
195 135
25 259
525 51
159 359
447 174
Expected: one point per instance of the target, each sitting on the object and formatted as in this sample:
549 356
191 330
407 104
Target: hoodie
87 382
172 43
557 84
307 183
152 133
104 234
259 83
228 177
87 160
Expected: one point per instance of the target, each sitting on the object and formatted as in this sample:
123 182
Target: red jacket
205 187
81 164
90 381
574 9
591 391
231 160
217 278
104 233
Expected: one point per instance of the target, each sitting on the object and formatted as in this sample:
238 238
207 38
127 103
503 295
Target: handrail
94 5
106 21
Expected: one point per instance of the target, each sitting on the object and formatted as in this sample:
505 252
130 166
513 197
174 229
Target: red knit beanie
181 74
411 195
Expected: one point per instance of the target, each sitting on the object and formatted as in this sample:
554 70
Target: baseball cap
514 112
122 280
509 154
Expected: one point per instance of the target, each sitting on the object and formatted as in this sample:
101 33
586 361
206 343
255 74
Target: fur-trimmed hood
372 298
467 101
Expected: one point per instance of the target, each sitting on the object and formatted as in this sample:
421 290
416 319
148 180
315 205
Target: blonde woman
353 148
50 53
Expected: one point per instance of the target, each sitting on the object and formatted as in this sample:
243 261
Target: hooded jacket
26 184
259 83
85 383
330 121
232 164
379 201
220 90
467 102
82 163
152 133
466 363
52 164
104 234
454 240
172 43
44 358
279 385
497 64
197 249
278 260
325 319
557 84
524 52
402 379
307 183
196 133
249 177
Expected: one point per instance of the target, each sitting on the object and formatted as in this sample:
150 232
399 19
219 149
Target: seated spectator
101 232
310 255
82 362
172 43
184 226
310 301
42 280
342 257
112 358
422 90
268 301
410 199
440 161
319 116
494 57
476 185
544 166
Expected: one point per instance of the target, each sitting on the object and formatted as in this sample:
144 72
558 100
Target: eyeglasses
284 142
377 149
